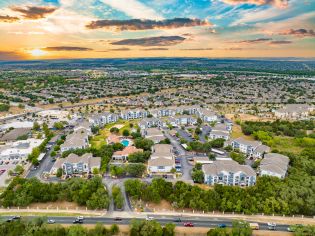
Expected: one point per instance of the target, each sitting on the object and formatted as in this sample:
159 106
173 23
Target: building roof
162 150
207 112
127 151
219 166
243 141
153 132
113 138
161 161
262 148
77 138
276 163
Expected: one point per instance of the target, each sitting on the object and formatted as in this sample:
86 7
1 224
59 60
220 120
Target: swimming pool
125 142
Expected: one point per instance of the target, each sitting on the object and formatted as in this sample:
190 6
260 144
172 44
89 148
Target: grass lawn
285 144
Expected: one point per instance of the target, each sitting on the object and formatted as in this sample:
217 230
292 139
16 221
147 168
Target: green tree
125 132
59 172
169 230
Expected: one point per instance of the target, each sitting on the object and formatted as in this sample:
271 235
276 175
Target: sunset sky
46 29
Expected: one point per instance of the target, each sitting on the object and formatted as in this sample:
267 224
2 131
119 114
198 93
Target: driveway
183 134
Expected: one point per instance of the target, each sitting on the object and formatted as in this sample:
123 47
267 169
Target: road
205 132
186 167
45 165
197 221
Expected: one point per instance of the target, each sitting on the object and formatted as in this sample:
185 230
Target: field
237 132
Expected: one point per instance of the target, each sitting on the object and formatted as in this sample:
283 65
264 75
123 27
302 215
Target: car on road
13 218
77 221
254 226
178 220
117 219
221 225
271 226
188 224
80 218
51 221
149 218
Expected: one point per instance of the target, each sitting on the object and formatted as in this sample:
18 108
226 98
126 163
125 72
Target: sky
52 29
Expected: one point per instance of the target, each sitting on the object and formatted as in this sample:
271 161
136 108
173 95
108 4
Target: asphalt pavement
197 221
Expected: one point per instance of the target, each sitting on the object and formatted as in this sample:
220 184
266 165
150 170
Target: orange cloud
8 19
299 32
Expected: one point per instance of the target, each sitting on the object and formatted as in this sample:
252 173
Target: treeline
205 147
38 227
291 196
279 127
23 192
131 170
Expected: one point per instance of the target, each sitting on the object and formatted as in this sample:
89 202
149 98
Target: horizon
64 29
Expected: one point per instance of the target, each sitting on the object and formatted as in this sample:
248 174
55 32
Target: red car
188 224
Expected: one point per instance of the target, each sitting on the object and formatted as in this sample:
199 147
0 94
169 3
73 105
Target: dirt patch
162 206
195 231
271 233
118 126
54 205
246 117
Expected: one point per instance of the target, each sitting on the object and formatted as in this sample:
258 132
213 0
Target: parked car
188 224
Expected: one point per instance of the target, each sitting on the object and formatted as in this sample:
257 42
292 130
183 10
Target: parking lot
4 174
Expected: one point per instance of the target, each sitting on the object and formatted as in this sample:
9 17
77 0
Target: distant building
221 130
79 139
134 114
74 164
228 172
207 115
162 159
19 150
253 149
103 119
294 111
150 122
154 134
274 164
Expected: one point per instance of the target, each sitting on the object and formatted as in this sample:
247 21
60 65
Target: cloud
279 42
8 19
299 32
66 48
154 49
134 9
10 56
138 24
277 3
151 41
259 40
34 12
196 49
116 50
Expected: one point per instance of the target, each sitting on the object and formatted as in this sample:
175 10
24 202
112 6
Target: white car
149 218
51 221
271 226
80 218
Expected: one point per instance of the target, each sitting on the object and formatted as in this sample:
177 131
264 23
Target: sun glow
37 52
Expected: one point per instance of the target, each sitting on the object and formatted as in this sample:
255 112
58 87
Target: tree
139 157
114 130
53 154
238 157
136 170
198 176
144 143
145 228
59 172
199 121
36 126
169 230
217 143
125 132
58 125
